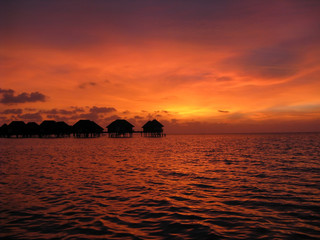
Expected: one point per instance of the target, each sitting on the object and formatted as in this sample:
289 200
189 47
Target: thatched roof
32 127
87 126
120 125
152 124
4 129
120 122
32 124
48 124
17 124
48 127
16 127
63 127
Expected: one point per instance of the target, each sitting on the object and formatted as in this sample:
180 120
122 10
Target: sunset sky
196 66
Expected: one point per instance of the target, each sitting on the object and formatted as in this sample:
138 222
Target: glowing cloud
214 65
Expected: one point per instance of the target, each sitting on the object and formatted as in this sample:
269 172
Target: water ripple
180 187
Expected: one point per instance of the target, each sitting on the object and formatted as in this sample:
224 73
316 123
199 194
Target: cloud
8 97
112 118
95 109
223 111
62 111
87 84
12 111
31 117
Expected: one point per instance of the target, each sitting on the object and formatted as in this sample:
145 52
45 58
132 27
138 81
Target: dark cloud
95 109
57 111
12 111
77 109
31 117
3 120
52 111
6 91
74 113
58 118
30 109
112 118
90 116
78 24
8 97
223 111
62 111
87 84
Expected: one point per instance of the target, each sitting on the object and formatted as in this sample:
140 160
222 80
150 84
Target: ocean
226 186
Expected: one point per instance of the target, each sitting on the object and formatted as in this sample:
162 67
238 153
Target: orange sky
197 66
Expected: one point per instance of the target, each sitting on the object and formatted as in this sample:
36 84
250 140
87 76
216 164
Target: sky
205 66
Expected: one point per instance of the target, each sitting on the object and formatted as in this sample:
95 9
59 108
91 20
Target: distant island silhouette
84 128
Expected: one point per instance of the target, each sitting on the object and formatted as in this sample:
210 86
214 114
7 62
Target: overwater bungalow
4 130
153 129
16 128
48 128
86 129
63 129
32 129
120 128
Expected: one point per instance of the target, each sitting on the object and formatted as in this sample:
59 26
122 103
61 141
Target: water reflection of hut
86 129
120 128
153 129
16 128
32 129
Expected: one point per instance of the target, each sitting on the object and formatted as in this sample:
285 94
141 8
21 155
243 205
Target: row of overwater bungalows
81 129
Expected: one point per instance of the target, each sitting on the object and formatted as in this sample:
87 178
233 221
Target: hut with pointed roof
48 128
16 128
63 129
4 130
120 128
153 129
86 129
32 129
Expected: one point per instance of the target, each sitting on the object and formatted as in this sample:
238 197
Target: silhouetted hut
153 129
86 129
4 130
32 129
16 128
48 128
63 129
120 128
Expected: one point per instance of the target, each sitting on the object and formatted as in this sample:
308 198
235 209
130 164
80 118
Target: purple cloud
87 84
223 111
95 109
31 117
9 97
12 111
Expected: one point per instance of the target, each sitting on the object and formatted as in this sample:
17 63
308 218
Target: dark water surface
263 186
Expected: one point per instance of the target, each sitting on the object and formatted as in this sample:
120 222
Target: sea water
241 186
